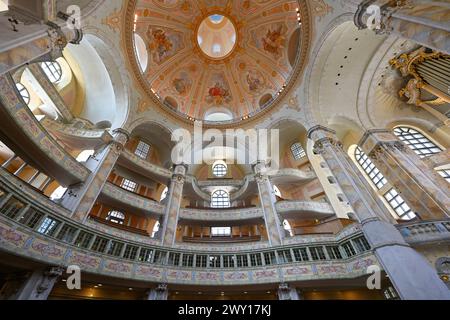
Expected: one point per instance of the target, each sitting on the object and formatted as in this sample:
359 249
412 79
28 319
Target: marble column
424 190
174 197
81 198
412 276
286 292
159 293
40 284
422 21
267 198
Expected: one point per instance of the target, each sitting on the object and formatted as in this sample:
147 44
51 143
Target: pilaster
425 191
40 284
412 276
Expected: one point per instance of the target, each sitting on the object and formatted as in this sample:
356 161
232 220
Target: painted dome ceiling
217 59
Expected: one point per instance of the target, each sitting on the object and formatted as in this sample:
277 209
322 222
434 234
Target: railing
425 231
215 239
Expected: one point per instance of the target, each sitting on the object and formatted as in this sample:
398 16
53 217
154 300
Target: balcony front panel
219 217
304 210
21 130
124 199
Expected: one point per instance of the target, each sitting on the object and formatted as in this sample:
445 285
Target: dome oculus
216 36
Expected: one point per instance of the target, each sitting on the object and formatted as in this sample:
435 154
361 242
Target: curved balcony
193 190
151 264
292 176
31 141
118 197
308 210
147 169
82 139
248 188
221 217
425 231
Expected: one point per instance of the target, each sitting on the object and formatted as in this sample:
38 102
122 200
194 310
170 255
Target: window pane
53 70
297 151
142 150
398 205
417 141
220 199
369 167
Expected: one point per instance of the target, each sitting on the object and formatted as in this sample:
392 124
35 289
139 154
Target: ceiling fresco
229 56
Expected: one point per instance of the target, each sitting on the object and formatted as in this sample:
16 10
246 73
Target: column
285 292
425 191
422 21
40 284
81 198
268 200
172 211
159 293
412 276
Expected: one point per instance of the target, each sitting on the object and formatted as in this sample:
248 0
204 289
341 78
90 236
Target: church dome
217 61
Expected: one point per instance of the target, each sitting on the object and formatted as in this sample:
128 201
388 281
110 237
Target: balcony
221 217
121 198
425 231
119 226
216 239
21 131
304 210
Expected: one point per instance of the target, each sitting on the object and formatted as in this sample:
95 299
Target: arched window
220 169
156 229
220 199
23 92
164 193
297 151
53 70
277 191
142 150
394 199
372 172
116 217
420 144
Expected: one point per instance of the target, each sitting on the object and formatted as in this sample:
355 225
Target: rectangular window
270 258
221 232
49 226
200 261
12 207
361 244
67 233
84 239
349 250
160 257
99 244
242 260
188 260
399 205
129 185
130 252
228 261
142 150
146 255
256 260
31 218
115 249
214 261
334 253
284 256
317 253
301 254
174 259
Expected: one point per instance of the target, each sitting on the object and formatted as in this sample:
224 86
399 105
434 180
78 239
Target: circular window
23 92
220 170
216 36
52 70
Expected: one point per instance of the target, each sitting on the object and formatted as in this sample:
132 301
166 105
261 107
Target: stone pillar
40 284
422 21
159 293
268 200
81 198
285 292
425 191
410 273
174 197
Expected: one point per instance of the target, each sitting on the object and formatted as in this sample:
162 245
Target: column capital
374 138
121 134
